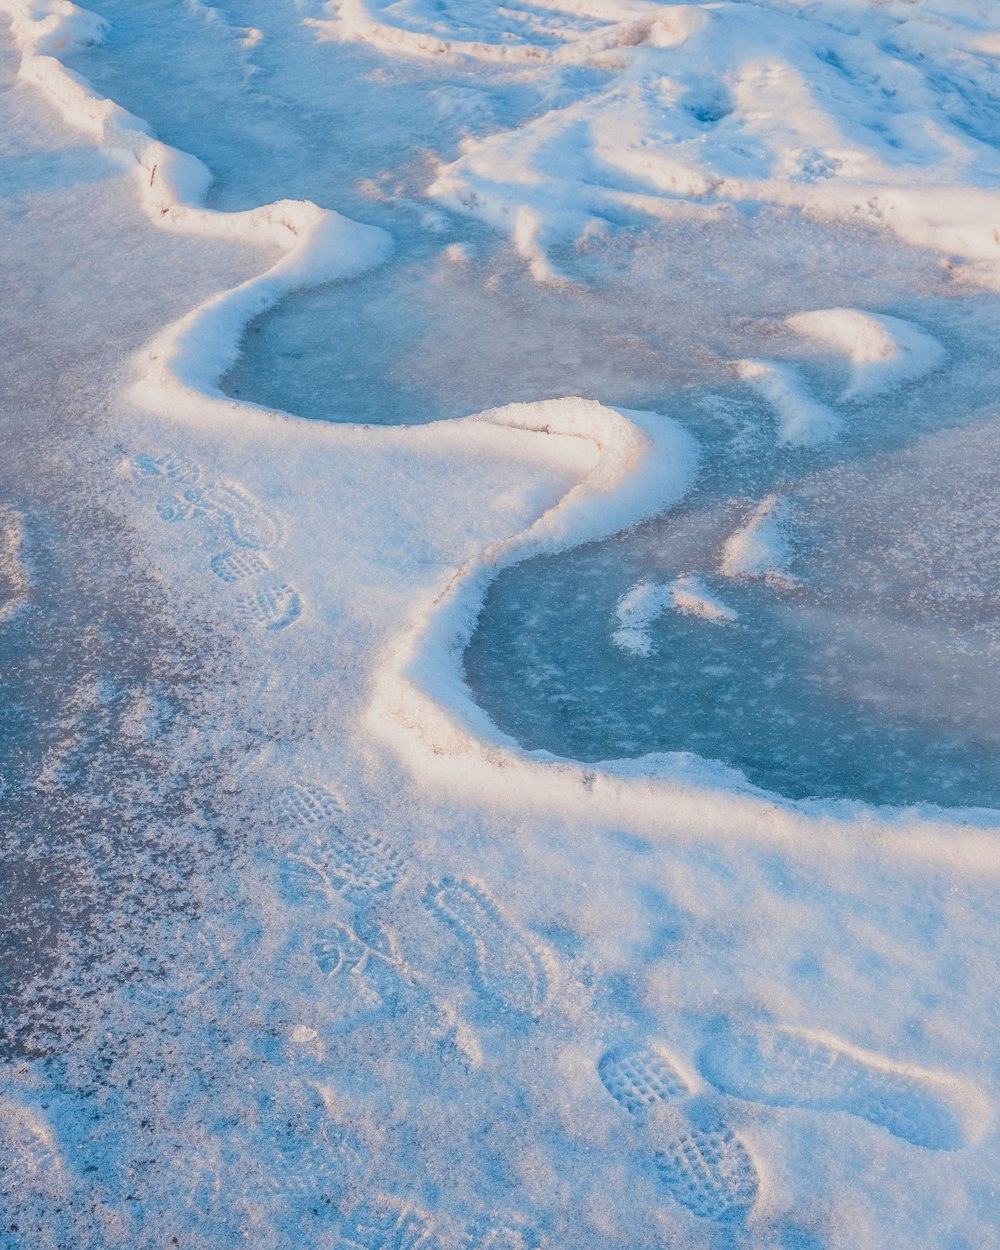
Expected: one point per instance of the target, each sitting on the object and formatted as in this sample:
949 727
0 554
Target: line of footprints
680 1122
266 600
331 855
332 860
701 1163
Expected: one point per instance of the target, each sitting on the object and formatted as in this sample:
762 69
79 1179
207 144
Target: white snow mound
885 351
760 547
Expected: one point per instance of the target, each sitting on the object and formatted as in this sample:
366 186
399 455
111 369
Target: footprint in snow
338 950
640 1078
237 566
366 968
786 1067
506 968
307 1154
247 522
701 1163
304 804
331 858
388 1226
164 464
708 1170
341 858
270 604
173 508
272 607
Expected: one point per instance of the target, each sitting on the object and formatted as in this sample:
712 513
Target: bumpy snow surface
499 633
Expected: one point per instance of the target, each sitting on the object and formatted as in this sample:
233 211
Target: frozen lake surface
796 696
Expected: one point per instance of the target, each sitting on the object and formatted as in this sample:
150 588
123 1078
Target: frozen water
865 674
456 324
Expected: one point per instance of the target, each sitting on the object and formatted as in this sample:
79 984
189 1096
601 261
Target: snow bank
642 464
843 123
556 33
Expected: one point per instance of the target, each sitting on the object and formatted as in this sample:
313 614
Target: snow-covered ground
498 581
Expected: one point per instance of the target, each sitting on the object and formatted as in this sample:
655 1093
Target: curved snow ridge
884 351
423 709
555 33
802 420
180 369
642 464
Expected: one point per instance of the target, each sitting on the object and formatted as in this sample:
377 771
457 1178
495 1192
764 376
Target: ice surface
303 948
861 669
14 583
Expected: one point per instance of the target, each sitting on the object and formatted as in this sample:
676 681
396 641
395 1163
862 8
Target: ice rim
643 463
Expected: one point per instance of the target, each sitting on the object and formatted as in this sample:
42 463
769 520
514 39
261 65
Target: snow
691 597
885 351
802 420
318 932
646 601
555 34
760 547
636 610
834 118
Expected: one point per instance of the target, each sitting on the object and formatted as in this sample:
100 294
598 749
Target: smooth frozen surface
861 665
302 947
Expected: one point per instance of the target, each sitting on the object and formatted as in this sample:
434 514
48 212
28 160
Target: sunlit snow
499 631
